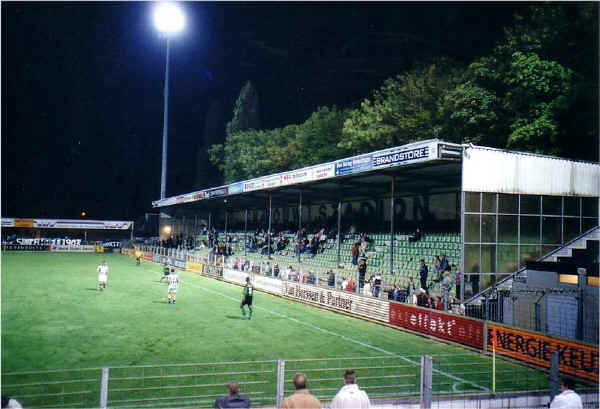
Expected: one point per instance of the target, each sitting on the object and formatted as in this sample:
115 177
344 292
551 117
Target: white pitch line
456 378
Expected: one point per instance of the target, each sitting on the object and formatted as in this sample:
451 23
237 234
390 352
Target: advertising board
297 176
217 192
448 326
25 247
353 165
72 248
396 157
212 271
323 172
236 188
574 358
8 222
194 266
147 256
369 307
179 263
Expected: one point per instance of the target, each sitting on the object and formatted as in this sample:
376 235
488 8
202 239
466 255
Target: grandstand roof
431 166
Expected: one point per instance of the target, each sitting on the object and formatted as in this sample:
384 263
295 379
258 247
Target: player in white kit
102 275
172 289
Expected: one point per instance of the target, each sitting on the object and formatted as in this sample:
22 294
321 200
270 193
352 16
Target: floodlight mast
168 20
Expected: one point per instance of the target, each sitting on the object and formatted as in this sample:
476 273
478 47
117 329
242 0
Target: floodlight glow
168 18
167 229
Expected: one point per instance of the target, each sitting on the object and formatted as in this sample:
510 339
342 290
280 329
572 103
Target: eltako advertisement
574 358
448 326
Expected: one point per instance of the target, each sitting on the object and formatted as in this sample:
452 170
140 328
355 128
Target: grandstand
486 209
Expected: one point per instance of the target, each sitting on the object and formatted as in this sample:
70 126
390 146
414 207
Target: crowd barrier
575 358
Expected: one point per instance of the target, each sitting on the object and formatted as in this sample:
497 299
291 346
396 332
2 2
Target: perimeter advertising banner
574 358
448 326
25 247
369 307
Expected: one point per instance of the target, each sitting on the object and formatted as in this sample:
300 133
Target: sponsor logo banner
323 172
147 256
25 247
236 276
8 222
298 176
112 244
76 249
366 306
573 358
27 223
274 181
353 165
392 158
448 326
236 188
250 186
81 224
212 271
157 258
267 284
68 242
116 250
178 263
219 191
194 266
99 249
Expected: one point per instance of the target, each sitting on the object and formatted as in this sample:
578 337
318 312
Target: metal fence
453 380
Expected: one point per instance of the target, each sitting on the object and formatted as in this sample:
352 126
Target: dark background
82 83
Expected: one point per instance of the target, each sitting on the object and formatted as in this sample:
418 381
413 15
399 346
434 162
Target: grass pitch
54 317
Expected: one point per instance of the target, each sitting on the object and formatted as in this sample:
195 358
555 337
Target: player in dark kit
247 293
166 271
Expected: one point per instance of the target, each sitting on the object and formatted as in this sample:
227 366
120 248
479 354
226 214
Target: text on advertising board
399 157
573 358
317 296
353 165
454 328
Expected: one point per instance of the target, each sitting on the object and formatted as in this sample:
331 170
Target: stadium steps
578 243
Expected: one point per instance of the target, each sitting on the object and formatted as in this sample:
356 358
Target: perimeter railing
451 380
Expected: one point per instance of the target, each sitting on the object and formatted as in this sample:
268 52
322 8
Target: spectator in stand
444 265
355 253
423 272
377 286
567 398
458 277
350 396
233 399
311 279
439 303
331 279
10 403
367 288
276 270
351 285
416 236
422 298
437 266
411 291
301 399
362 272
446 286
344 283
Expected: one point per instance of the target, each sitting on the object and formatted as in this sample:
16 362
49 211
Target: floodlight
168 18
167 229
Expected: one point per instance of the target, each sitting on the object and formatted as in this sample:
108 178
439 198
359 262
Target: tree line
537 91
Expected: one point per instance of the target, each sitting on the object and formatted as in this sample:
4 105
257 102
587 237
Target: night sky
82 84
